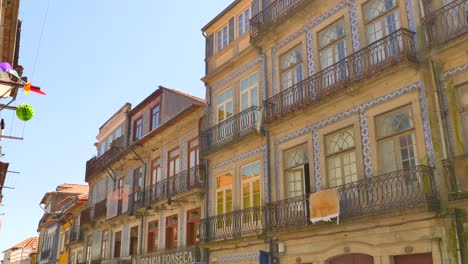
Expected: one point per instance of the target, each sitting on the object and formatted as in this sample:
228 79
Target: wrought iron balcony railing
392 191
271 14
446 23
249 221
378 56
456 175
231 129
96 165
179 183
85 217
100 209
186 254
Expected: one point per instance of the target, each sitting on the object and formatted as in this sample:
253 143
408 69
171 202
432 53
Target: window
193 157
105 245
117 244
250 180
296 171
171 231
120 186
89 249
382 18
138 184
155 117
62 241
138 128
100 191
109 142
396 140
118 133
174 162
225 105
291 67
333 50
243 22
249 91
462 95
156 176
153 236
193 219
224 193
133 241
102 148
341 157
222 38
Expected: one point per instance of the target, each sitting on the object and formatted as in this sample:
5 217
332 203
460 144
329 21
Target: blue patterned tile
365 144
354 26
316 144
454 71
241 156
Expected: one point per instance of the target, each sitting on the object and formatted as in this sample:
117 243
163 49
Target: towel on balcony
324 205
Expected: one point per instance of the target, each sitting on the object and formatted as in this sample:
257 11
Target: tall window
249 91
251 185
224 193
193 219
291 67
396 140
243 22
155 117
89 249
138 128
171 231
382 18
462 92
156 176
120 186
133 241
153 236
225 105
174 162
333 50
193 157
222 38
341 157
296 171
105 245
117 243
138 184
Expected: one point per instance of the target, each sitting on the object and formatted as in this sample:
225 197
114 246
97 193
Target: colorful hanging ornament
6 68
24 112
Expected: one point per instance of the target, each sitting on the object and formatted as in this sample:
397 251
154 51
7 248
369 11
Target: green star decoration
24 112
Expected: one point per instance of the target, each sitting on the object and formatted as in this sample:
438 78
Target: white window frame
248 90
251 182
224 104
243 24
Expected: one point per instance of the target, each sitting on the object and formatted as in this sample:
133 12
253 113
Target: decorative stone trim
454 71
365 144
316 144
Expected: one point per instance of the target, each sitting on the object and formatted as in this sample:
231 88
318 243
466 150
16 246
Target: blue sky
94 56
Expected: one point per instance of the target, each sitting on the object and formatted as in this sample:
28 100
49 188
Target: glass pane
246 195
388 156
394 122
292 57
256 193
228 201
224 180
340 141
378 7
333 33
296 156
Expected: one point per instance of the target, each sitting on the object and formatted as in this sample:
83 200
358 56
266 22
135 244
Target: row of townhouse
368 99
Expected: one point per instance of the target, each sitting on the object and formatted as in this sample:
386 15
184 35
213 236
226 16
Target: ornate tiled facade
364 131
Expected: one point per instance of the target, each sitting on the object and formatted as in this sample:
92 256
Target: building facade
147 183
20 253
363 98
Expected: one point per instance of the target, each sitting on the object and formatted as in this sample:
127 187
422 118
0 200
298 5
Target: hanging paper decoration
5 89
6 68
24 112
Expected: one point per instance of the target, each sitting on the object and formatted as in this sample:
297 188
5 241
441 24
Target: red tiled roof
32 242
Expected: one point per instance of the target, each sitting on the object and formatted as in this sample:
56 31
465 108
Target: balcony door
133 247
333 50
138 185
291 66
382 19
224 201
297 171
171 232
173 169
225 111
193 220
156 177
193 159
251 194
153 236
249 98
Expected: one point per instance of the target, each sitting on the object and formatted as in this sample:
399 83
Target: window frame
379 17
302 167
156 247
138 128
462 110
249 92
245 29
291 67
333 43
223 189
130 240
251 182
220 42
195 221
152 117
224 104
172 226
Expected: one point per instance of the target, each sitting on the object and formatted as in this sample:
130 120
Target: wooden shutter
210 45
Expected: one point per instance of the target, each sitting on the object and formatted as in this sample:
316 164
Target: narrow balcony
456 176
182 182
188 254
388 192
96 165
446 23
85 217
231 129
100 209
378 56
271 15
244 222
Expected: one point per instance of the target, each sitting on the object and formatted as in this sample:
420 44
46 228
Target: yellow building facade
363 97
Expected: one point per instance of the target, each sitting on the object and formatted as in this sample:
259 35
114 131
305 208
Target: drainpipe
206 64
457 236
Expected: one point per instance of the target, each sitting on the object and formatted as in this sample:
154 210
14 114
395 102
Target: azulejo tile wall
238 257
361 110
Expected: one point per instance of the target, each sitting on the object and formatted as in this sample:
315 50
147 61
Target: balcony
96 165
231 129
388 192
446 23
85 217
162 190
378 56
100 209
189 254
456 176
272 14
245 222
